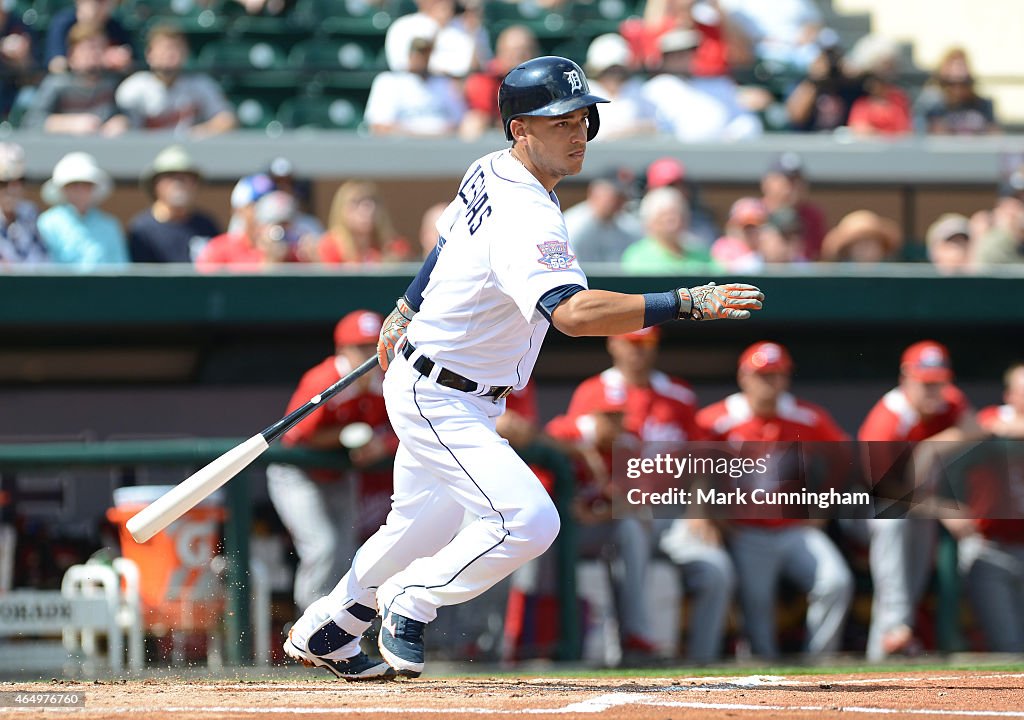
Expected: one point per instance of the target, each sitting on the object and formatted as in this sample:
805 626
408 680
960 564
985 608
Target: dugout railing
239 506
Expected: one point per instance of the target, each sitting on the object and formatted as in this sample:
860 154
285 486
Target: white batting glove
732 301
392 331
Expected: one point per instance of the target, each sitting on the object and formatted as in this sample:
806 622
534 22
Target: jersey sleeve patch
555 255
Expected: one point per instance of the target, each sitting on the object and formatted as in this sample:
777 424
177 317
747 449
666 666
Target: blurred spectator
428 228
862 237
924 406
781 238
171 230
822 101
327 512
462 44
17 56
1007 420
669 172
165 97
117 55
81 101
75 230
885 108
783 32
610 74
20 243
515 45
950 105
1001 238
695 109
359 229
306 227
769 548
414 101
784 185
668 246
263 241
721 44
244 195
739 249
271 8
949 244
599 228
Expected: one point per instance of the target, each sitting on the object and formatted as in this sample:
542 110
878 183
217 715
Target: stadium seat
253 112
336 56
251 67
338 113
343 17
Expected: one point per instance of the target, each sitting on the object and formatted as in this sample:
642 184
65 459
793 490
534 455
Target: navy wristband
660 307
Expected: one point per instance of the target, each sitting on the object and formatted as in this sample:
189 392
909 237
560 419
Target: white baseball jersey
502 238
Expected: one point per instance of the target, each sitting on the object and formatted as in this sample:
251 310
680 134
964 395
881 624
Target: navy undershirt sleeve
414 293
550 300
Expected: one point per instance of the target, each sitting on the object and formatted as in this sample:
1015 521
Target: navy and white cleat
358 667
401 644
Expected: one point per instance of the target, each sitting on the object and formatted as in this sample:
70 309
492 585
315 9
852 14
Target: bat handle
275 431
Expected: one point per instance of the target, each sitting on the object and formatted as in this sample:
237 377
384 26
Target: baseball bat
197 487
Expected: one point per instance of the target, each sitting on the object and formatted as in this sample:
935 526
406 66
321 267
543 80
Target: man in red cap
327 512
924 406
670 172
766 549
655 408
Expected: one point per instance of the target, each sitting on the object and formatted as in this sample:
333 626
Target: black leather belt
425 366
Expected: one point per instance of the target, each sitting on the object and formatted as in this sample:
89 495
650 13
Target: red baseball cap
359 327
748 211
665 171
927 361
766 357
648 335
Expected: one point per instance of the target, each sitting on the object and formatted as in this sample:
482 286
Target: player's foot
357 667
638 650
901 641
401 643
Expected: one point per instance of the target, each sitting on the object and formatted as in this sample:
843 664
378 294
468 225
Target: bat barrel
186 495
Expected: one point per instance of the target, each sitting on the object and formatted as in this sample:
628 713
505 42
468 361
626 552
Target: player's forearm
599 312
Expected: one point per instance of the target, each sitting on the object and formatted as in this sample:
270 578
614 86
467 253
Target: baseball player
326 512
658 408
766 549
466 333
924 406
990 542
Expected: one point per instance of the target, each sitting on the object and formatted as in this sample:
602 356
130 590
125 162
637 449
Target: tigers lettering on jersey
474 194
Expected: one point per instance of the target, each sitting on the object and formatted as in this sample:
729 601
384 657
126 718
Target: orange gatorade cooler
178 587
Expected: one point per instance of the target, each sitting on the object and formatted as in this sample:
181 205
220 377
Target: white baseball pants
450 462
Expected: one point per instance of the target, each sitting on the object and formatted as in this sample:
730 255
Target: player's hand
392 331
732 301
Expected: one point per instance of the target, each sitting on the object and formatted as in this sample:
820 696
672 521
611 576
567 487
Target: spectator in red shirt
785 185
768 549
924 406
359 229
329 512
515 45
260 240
885 109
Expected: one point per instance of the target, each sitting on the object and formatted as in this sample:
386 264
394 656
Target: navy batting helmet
547 87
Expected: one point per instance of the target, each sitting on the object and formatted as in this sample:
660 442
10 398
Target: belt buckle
504 393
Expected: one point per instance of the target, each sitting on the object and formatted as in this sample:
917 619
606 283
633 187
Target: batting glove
392 331
732 301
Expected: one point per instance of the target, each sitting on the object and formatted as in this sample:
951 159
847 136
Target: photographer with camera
822 100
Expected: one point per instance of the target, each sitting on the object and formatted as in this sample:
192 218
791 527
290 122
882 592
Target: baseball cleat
357 667
401 643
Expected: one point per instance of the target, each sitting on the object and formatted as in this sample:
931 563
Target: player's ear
518 128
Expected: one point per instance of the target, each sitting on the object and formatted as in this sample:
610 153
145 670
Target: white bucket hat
76 167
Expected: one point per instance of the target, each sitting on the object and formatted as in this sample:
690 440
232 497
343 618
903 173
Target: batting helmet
547 87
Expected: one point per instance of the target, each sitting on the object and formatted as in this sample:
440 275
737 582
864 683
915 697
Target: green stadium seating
253 112
236 55
334 56
339 113
343 17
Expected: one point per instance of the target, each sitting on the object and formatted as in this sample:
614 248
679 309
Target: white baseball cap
76 167
607 51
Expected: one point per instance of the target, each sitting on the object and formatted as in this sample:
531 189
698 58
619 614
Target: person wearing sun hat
171 229
20 242
925 405
76 232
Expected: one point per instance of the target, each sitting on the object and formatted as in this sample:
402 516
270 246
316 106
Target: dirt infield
908 694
